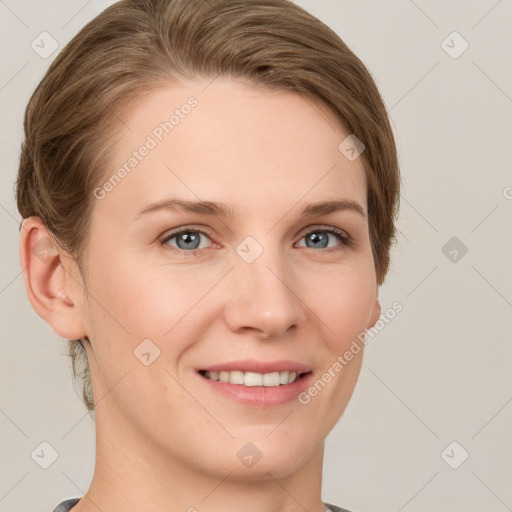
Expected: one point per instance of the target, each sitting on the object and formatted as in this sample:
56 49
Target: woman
209 192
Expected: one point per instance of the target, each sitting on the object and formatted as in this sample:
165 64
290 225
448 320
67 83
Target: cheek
135 302
136 299
145 301
345 304
140 301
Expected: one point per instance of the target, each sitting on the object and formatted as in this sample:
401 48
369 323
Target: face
250 287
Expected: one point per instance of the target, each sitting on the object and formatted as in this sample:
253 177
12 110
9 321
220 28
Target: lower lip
261 396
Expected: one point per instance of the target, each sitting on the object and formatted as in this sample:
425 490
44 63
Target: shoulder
65 506
334 508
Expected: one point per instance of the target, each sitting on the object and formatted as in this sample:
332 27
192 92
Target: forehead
229 141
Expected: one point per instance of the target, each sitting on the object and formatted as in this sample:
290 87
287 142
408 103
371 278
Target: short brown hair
136 45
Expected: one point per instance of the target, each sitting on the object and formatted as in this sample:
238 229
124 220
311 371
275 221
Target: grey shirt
66 505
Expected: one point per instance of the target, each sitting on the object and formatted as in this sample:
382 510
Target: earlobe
48 282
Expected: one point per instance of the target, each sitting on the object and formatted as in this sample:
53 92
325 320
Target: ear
376 310
52 287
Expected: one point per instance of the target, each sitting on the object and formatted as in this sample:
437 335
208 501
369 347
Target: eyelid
323 227
182 229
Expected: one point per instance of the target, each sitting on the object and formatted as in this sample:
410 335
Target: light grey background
437 373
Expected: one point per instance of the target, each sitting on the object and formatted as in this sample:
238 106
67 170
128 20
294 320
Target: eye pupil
188 238
319 238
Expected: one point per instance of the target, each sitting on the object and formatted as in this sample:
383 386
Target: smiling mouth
251 379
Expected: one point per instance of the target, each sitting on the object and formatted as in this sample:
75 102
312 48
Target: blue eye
187 240
319 238
190 240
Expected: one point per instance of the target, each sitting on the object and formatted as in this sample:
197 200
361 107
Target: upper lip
252 365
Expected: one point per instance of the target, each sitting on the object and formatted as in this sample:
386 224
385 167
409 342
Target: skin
165 441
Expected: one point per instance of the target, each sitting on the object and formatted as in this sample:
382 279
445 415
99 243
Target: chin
268 468
264 458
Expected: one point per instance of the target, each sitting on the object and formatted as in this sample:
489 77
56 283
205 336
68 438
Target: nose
263 297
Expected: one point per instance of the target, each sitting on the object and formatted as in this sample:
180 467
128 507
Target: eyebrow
222 210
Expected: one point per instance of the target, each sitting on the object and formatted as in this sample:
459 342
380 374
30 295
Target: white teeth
253 379
236 377
273 379
283 377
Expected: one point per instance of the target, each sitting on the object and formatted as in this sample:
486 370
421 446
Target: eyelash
346 240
